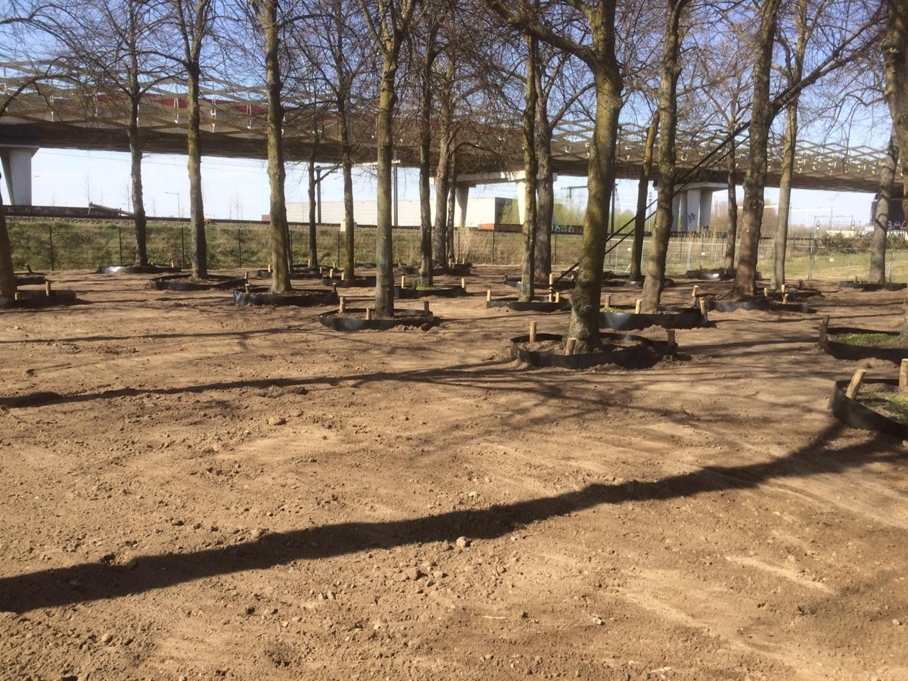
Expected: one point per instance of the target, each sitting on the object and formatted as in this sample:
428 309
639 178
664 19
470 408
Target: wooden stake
331 273
17 296
334 288
47 289
343 305
638 306
403 281
551 279
903 376
269 268
782 288
172 264
569 346
368 314
824 329
693 294
766 292
557 296
425 307
670 336
784 299
246 286
704 312
246 275
308 263
608 300
488 295
855 384
463 284
532 332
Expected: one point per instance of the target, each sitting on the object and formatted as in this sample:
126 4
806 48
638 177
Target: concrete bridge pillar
693 206
17 169
461 198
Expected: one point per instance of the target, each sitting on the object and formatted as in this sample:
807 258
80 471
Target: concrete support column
17 169
521 200
461 197
706 208
679 212
692 216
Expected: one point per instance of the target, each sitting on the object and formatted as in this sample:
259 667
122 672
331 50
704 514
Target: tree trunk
881 218
347 172
545 191
7 272
636 273
755 181
135 174
199 254
531 176
668 125
280 269
731 237
780 242
444 168
449 227
313 228
425 149
585 300
387 99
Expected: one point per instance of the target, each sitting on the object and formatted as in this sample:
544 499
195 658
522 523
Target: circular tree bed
38 299
412 293
558 284
764 304
461 269
30 279
263 296
668 317
869 288
622 350
185 282
357 281
853 343
298 272
530 305
721 274
633 283
355 319
136 269
878 407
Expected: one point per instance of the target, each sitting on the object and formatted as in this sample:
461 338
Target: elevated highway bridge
45 114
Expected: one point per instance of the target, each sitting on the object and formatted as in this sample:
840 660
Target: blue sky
235 188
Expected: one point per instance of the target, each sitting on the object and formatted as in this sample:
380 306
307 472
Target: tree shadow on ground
96 581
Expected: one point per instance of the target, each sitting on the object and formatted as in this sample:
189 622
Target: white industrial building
480 210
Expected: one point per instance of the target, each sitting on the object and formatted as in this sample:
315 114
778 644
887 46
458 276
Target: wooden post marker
638 306
488 295
693 294
855 384
551 279
425 307
246 287
334 288
246 275
172 265
17 296
343 305
532 332
403 281
903 376
368 314
463 284
569 346
47 289
331 273
608 300
824 329
269 268
557 296
704 312
784 299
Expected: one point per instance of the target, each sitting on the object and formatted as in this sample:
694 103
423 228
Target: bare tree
881 216
388 22
192 20
668 123
600 57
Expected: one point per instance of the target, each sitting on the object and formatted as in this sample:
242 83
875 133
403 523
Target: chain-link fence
60 245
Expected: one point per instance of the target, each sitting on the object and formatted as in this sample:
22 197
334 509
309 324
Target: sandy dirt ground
193 490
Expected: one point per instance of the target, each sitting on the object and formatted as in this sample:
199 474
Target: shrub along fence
65 245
